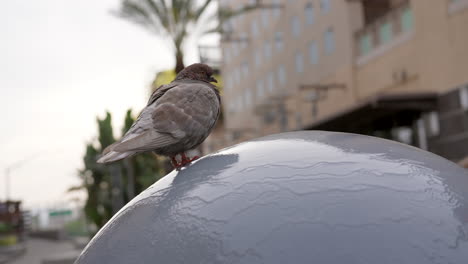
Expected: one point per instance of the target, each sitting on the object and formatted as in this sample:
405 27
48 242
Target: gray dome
301 197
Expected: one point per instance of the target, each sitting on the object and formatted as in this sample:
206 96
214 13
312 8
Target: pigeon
179 116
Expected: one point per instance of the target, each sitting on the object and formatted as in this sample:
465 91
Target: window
279 40
295 26
270 82
235 49
227 54
240 103
329 41
265 18
260 89
267 50
464 97
299 62
365 44
282 75
228 25
385 32
407 20
258 58
277 9
248 98
433 123
313 53
402 134
245 69
325 6
236 105
309 13
237 75
235 21
243 42
254 28
231 107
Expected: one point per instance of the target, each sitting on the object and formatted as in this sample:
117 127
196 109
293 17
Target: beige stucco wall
434 54
332 68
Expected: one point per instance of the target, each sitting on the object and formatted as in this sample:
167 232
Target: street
38 250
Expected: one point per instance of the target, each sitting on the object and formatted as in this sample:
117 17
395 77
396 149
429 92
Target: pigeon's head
198 72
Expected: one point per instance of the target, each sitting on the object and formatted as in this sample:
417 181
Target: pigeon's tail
109 155
114 156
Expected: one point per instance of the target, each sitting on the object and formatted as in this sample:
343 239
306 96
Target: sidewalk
41 251
10 252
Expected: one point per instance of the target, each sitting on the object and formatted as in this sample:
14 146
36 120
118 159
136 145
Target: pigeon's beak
212 79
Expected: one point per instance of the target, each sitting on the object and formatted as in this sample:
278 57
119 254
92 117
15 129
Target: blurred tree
137 172
177 19
96 176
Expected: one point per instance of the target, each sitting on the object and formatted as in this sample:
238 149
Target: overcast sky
62 63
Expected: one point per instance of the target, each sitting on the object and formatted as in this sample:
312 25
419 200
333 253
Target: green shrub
4 227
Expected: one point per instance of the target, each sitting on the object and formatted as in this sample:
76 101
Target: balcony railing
384 30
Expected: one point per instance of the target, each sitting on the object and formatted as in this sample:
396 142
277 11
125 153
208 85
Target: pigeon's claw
175 163
185 160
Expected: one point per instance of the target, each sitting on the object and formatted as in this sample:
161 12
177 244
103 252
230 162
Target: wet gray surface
301 197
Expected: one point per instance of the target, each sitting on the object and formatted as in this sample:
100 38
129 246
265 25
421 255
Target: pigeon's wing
189 110
186 110
140 132
148 140
160 92
144 122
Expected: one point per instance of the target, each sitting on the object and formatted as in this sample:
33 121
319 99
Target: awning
379 113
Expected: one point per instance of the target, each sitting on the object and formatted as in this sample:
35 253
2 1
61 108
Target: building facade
391 68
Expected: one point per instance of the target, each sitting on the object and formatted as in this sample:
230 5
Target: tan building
391 68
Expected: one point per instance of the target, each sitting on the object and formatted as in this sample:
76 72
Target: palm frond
76 188
159 12
202 9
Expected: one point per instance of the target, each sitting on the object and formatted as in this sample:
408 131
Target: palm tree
176 19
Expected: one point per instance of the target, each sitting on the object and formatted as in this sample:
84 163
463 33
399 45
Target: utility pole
7 184
8 170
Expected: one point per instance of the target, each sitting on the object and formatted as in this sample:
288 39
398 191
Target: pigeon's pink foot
175 164
185 160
